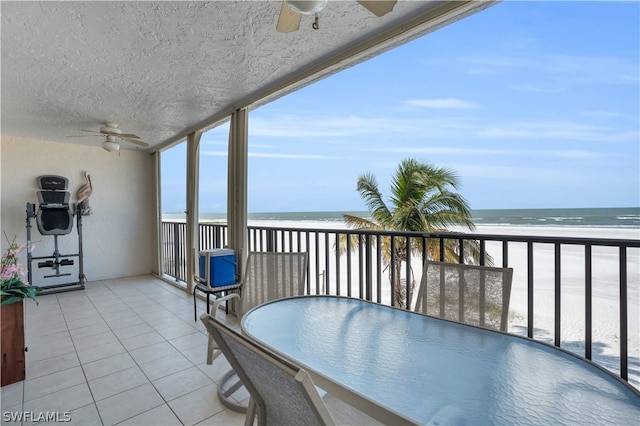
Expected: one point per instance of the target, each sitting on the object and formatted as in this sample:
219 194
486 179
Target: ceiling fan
111 133
291 11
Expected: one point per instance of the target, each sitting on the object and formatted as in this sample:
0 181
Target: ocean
588 217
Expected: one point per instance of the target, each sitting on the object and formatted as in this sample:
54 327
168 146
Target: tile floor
123 351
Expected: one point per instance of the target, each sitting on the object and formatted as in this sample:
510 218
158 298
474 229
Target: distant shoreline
627 217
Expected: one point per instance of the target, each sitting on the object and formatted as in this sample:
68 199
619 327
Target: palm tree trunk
400 286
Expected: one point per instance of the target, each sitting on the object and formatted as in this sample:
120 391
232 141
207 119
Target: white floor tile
142 340
106 366
95 353
165 366
128 404
51 365
11 395
41 386
161 415
181 383
134 330
90 330
61 401
155 351
105 338
12 415
198 405
85 416
126 322
48 346
193 340
178 330
117 382
226 418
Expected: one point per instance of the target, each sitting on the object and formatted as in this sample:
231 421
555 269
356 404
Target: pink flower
10 269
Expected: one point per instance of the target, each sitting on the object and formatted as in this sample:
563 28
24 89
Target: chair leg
251 413
213 351
210 350
195 314
230 383
208 295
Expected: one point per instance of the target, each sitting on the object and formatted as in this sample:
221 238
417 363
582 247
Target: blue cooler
218 267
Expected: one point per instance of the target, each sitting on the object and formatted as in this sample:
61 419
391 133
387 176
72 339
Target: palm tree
421 200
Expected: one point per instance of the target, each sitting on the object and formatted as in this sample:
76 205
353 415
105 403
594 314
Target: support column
237 181
157 259
193 241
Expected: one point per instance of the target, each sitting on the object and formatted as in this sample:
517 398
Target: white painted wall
118 237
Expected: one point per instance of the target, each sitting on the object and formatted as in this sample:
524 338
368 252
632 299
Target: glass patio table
403 367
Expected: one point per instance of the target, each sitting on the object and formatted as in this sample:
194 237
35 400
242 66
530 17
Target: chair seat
203 287
218 289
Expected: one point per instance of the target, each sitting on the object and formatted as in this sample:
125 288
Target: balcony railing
560 294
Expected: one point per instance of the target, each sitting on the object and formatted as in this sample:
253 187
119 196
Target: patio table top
387 361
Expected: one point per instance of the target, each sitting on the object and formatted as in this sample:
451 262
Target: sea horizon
610 217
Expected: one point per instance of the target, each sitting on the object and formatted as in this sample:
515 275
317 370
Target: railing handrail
606 242
364 277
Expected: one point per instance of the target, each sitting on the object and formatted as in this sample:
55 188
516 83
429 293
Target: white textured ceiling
163 69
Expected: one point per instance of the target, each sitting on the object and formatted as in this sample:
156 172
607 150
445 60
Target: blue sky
533 104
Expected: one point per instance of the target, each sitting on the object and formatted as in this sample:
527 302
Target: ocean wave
594 217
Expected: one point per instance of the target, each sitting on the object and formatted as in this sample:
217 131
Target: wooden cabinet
12 337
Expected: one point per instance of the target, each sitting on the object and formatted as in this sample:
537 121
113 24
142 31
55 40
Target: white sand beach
605 273
605 288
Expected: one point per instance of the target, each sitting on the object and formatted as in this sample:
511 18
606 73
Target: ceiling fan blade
378 8
136 142
91 131
128 135
82 136
288 21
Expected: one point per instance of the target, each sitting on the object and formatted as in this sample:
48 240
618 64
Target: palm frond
368 189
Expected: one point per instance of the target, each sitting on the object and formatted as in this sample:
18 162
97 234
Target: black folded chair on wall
55 217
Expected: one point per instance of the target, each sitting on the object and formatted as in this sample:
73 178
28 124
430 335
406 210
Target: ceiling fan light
110 146
307 7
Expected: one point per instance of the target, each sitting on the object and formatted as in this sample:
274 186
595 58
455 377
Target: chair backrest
270 276
54 216
471 294
282 392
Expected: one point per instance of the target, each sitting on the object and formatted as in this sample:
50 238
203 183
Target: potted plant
14 288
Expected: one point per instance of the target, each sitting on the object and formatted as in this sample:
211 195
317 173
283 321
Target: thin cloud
535 175
336 129
292 156
572 69
446 103
604 114
333 126
567 154
557 130
275 155
539 89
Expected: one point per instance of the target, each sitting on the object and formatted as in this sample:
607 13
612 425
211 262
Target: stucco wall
118 237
